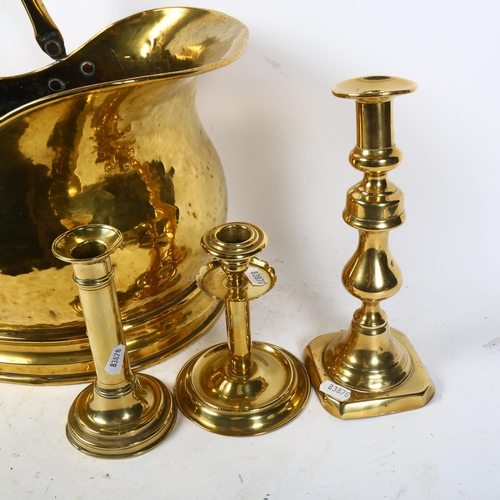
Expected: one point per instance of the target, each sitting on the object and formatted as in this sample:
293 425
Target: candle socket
373 367
121 414
240 388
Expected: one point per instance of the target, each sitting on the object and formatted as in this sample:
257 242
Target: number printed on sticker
255 277
115 360
336 391
115 357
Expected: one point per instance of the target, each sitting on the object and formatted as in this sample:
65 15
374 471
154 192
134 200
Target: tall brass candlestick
122 414
371 369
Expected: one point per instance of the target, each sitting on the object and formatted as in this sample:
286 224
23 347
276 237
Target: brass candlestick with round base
370 369
240 388
122 414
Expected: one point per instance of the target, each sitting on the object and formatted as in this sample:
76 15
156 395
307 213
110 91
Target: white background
284 141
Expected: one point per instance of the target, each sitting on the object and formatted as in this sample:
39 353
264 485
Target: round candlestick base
275 392
110 425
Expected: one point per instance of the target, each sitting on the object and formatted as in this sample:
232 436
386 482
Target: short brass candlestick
240 388
370 369
122 414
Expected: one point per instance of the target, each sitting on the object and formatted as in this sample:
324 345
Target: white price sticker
115 361
335 391
494 345
255 277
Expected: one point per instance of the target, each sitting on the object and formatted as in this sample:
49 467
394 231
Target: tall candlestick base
370 369
121 415
416 391
240 388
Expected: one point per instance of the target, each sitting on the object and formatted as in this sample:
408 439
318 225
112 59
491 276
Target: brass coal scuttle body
110 135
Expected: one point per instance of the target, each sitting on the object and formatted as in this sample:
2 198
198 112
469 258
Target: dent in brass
121 414
240 388
376 363
119 143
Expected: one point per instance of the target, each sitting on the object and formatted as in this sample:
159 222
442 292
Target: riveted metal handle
47 34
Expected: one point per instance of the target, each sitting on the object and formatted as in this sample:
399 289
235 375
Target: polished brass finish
377 364
122 414
240 388
110 135
46 33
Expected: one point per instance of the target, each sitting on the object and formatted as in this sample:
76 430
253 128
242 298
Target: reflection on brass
121 414
240 388
46 33
119 142
374 368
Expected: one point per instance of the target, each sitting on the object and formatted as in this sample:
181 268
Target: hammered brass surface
120 415
241 388
117 141
377 364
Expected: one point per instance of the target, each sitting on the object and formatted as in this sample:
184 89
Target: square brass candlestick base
414 393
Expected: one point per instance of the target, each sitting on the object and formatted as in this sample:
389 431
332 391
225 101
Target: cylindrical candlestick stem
242 387
122 414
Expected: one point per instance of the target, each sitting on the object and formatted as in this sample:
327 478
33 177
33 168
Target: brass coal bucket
110 135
